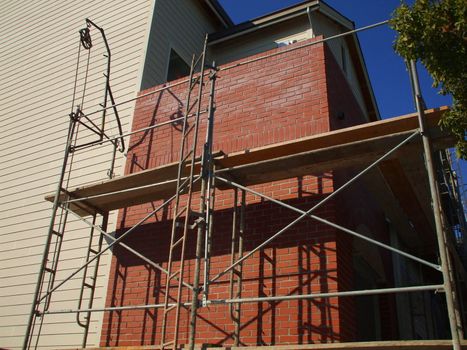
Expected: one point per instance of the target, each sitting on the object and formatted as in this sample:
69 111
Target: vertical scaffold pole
205 207
236 251
444 257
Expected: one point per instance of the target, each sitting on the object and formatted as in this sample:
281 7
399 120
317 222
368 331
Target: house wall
177 24
297 29
272 100
38 55
365 266
339 48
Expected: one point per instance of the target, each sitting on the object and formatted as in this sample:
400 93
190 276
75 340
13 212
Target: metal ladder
183 213
52 248
89 280
236 251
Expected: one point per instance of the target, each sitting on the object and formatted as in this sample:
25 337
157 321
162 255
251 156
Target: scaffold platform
341 148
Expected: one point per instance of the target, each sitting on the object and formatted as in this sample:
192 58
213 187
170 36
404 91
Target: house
276 81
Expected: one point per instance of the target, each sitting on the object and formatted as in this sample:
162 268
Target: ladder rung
183 184
93 251
192 106
177 242
194 81
52 271
172 276
180 213
88 285
170 308
190 128
57 233
187 156
168 343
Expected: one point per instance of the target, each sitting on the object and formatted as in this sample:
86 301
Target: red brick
272 100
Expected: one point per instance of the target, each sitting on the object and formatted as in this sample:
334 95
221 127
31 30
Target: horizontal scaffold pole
435 287
329 223
318 205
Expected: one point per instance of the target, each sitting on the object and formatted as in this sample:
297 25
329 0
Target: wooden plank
316 162
341 148
162 177
333 138
376 345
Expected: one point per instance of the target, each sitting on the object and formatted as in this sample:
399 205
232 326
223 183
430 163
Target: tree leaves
435 32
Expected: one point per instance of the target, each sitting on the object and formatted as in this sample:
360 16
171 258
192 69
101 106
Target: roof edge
279 16
219 11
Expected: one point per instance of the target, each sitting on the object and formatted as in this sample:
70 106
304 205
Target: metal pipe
233 246
435 287
245 62
324 221
206 174
329 295
173 238
117 192
436 204
189 183
198 102
208 234
123 245
238 222
111 308
85 272
322 202
210 185
36 301
166 87
111 139
304 45
107 75
111 244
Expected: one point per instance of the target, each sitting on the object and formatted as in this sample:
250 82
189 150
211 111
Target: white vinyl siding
38 56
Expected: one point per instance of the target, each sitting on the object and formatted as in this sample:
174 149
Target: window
177 67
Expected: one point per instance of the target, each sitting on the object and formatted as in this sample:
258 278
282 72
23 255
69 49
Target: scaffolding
207 171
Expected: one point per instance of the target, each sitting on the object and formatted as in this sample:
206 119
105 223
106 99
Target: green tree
435 32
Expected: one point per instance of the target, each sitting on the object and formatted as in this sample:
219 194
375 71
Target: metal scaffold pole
436 204
205 207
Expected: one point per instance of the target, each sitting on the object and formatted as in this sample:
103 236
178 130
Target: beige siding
324 26
177 24
297 29
38 56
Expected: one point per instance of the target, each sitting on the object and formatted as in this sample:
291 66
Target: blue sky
386 70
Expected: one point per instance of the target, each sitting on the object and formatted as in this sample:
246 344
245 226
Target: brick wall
272 100
357 207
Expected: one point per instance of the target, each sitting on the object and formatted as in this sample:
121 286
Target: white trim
213 9
264 24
